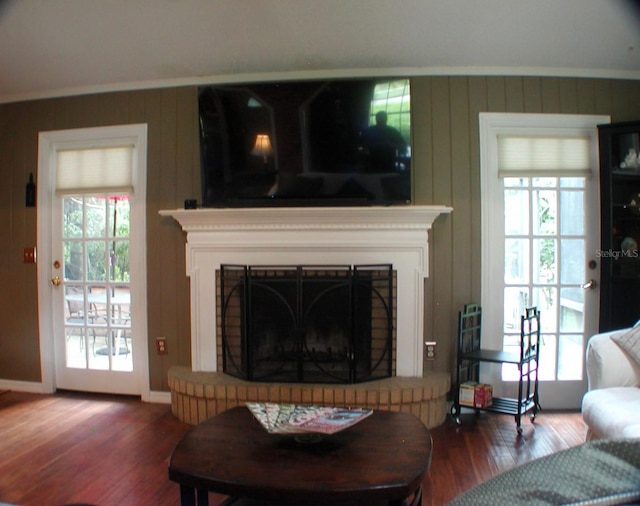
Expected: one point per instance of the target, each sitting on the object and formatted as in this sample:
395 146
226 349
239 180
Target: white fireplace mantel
319 236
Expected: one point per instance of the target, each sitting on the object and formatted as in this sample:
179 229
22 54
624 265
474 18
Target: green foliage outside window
89 223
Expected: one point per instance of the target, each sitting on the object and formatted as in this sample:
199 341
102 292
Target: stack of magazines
296 419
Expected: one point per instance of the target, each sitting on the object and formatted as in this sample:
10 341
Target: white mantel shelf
307 218
396 235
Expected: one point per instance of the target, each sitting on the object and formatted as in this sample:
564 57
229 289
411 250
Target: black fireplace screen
307 324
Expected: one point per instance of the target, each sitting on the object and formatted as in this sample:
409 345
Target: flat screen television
325 142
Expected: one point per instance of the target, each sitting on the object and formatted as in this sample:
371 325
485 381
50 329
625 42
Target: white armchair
608 365
611 407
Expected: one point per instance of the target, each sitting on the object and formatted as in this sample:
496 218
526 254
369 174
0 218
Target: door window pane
96 220
516 299
573 261
571 309
96 264
73 265
570 351
516 182
572 182
119 261
73 218
548 354
516 212
572 212
545 270
516 261
544 212
546 300
544 182
76 347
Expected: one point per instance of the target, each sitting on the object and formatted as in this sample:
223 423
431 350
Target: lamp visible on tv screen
306 143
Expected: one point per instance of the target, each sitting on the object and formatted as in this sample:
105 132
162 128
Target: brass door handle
56 281
590 285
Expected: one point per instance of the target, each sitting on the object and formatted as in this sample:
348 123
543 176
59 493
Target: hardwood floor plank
492 446
78 448
114 451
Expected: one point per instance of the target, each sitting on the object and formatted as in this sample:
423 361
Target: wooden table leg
187 496
190 496
416 499
202 497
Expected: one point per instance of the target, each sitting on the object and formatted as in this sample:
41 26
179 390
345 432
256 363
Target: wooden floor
113 451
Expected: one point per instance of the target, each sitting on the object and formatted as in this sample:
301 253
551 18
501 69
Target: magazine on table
296 419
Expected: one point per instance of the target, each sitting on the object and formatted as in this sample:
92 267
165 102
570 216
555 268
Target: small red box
476 395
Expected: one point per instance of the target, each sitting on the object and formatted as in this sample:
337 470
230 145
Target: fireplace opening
307 324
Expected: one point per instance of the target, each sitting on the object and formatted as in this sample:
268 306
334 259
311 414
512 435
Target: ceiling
66 47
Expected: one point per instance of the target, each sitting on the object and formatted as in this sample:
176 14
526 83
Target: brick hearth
196 396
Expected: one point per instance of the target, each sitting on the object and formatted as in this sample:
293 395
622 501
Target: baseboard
23 386
32 387
159 397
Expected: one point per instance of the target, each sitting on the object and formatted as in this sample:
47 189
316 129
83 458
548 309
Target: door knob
590 285
55 281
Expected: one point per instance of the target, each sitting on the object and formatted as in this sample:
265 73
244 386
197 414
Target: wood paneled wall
173 175
447 171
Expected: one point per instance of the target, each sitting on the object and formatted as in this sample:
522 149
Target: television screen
306 143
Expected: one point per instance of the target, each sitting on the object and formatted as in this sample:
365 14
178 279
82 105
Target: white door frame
492 218
47 143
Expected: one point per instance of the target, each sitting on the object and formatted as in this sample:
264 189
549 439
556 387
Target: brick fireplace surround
396 235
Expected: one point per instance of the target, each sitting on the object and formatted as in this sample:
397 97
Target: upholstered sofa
605 471
611 406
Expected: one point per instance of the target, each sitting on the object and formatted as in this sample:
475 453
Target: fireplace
306 324
395 235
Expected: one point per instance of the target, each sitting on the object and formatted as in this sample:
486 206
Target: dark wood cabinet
619 145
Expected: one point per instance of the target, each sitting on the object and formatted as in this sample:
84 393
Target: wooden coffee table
381 460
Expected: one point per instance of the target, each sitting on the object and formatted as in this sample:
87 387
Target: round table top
385 456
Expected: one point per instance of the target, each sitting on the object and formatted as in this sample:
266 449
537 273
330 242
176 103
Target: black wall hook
30 194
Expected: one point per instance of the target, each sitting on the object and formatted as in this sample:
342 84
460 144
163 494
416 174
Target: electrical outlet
29 255
430 350
161 345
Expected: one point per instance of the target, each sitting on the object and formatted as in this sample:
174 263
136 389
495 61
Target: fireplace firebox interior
307 324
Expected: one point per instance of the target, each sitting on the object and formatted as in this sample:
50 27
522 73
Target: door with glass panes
540 238
91 204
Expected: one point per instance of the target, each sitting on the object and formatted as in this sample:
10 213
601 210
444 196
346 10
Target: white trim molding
50 306
309 236
32 387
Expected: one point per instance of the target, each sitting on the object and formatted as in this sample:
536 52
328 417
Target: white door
92 266
540 234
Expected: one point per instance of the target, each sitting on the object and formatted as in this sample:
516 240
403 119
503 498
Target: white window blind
88 170
530 156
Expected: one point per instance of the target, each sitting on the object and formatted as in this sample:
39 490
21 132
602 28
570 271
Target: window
544 247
